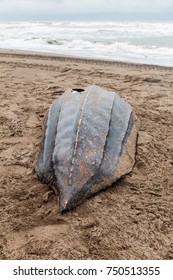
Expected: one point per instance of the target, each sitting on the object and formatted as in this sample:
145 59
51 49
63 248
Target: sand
132 219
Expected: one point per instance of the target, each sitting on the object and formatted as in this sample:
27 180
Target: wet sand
132 219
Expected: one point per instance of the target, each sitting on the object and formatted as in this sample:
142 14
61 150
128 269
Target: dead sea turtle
89 141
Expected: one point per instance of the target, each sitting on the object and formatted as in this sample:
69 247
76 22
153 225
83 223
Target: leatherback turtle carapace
89 141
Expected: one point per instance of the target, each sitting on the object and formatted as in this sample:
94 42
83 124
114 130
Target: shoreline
59 57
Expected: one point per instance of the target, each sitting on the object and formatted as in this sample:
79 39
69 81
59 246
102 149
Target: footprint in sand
17 241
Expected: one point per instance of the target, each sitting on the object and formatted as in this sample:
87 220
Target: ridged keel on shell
85 136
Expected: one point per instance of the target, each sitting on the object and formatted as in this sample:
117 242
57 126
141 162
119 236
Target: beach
133 218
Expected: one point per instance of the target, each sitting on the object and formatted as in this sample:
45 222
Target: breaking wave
142 42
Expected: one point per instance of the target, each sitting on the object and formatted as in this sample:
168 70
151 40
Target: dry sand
133 219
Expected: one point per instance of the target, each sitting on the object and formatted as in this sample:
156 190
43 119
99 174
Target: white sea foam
141 42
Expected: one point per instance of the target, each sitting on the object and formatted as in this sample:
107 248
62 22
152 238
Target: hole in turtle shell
78 89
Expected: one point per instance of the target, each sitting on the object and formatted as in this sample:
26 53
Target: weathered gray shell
89 141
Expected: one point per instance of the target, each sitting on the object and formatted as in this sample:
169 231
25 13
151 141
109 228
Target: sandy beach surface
132 219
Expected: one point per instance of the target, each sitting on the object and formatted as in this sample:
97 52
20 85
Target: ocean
139 42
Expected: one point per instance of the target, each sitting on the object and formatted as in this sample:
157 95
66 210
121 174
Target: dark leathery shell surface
85 134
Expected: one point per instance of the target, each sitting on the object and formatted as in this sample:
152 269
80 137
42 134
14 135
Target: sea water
139 42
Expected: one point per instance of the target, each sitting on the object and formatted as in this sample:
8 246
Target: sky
85 9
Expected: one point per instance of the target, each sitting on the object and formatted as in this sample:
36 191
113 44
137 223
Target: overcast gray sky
59 9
